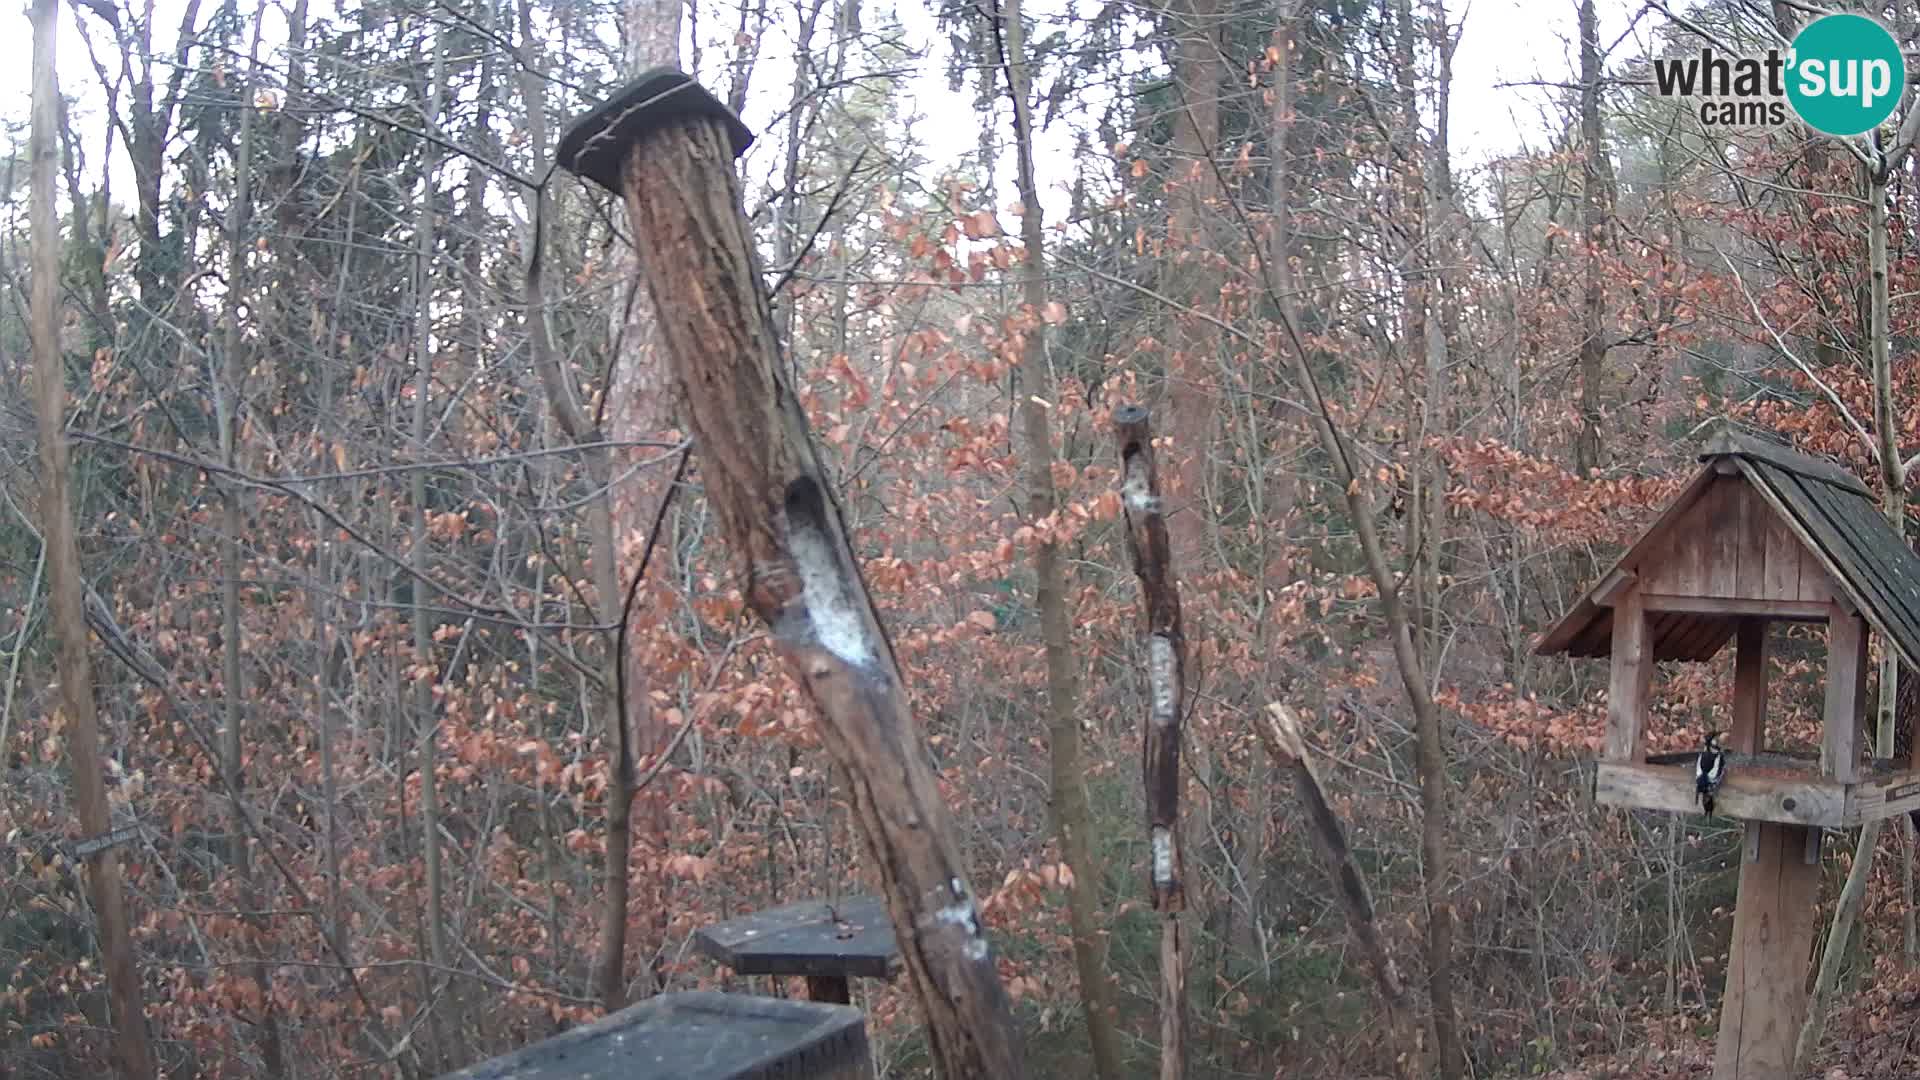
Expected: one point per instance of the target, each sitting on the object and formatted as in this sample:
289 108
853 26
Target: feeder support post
667 147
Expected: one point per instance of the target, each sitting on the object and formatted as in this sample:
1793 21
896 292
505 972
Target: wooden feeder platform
1759 789
698 1036
1762 534
828 942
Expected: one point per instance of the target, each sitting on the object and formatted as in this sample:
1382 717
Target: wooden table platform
826 941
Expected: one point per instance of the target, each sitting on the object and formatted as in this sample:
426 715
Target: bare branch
1832 396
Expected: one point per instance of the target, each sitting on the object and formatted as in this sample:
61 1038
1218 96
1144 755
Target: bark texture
769 493
1151 550
133 1052
1596 179
639 408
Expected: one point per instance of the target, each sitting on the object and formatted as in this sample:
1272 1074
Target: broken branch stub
667 146
1166 646
1279 729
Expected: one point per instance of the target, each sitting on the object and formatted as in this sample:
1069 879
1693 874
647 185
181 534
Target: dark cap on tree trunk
595 146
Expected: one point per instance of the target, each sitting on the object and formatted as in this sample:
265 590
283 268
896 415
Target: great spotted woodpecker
1708 770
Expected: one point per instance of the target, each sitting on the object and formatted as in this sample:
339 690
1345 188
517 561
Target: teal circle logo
1846 74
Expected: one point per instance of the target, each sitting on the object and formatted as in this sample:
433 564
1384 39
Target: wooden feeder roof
1828 510
698 1035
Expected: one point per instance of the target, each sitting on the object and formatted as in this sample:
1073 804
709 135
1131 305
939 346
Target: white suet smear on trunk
836 624
1162 842
961 915
1160 677
1139 497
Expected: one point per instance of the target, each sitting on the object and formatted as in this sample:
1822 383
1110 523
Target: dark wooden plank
1788 610
1785 458
1807 799
1880 570
1754 517
1700 636
1720 631
1783 554
1660 630
698 1036
833 989
850 937
1596 638
1884 797
1722 538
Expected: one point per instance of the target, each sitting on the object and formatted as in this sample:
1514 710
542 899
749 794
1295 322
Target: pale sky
1505 41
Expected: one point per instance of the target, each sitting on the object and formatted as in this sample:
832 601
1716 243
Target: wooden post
1749 734
833 989
1773 929
1631 672
667 146
1846 668
1160 744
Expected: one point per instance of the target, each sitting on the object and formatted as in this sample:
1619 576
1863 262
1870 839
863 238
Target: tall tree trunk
1595 177
1196 125
133 1053
1436 852
1191 277
1446 238
423 672
789 210
1893 482
1420 331
1035 391
229 401
640 405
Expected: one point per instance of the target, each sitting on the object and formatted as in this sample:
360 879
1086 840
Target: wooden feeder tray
842 938
698 1036
1765 787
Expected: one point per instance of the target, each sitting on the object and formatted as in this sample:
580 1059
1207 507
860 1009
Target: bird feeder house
1761 534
